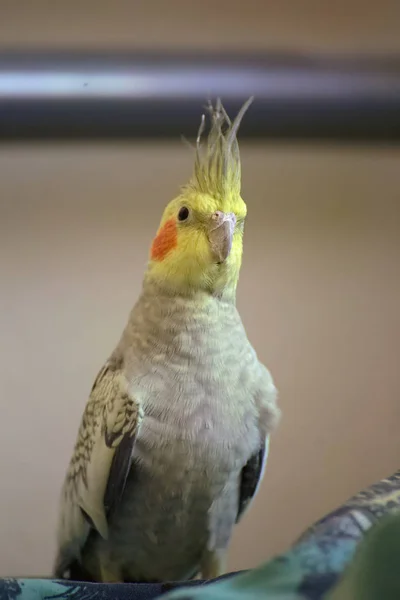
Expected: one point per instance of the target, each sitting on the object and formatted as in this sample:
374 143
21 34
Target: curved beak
220 234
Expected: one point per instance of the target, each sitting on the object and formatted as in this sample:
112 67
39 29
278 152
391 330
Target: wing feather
268 417
251 478
99 465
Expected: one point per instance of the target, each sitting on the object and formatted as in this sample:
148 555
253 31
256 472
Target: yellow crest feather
217 170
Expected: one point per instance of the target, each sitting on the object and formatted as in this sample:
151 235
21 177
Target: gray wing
99 465
251 477
269 415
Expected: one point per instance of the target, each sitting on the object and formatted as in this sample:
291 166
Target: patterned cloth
308 571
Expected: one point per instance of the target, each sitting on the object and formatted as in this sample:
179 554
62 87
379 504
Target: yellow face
199 242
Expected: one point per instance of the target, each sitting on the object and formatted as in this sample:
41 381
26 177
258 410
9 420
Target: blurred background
319 291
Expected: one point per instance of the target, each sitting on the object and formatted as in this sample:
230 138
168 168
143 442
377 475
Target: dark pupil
183 213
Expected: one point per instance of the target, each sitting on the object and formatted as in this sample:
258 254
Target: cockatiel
174 437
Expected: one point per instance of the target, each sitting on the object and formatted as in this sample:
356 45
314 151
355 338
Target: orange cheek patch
165 241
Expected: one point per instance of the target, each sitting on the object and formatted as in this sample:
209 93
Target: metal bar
122 95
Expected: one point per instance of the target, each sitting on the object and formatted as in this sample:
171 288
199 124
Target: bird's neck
161 306
221 289
169 299
163 323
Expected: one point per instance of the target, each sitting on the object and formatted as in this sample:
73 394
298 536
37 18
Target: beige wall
319 291
340 26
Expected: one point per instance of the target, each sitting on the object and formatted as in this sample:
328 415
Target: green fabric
352 554
374 573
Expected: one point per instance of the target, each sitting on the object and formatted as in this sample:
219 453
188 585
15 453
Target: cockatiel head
199 242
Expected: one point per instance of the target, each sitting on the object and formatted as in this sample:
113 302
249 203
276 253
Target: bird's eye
183 213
